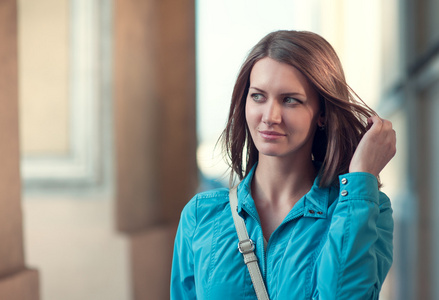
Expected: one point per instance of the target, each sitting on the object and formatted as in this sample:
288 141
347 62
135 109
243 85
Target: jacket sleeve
359 250
182 274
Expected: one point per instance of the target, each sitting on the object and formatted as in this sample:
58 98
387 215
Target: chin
272 152
280 151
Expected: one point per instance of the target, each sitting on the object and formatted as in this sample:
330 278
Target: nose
272 113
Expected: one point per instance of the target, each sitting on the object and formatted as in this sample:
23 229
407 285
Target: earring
321 128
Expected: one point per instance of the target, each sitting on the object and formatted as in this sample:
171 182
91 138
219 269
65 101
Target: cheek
249 115
303 122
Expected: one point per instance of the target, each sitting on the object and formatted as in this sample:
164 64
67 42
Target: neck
282 180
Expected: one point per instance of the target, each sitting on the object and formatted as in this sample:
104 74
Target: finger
375 123
388 129
370 122
387 125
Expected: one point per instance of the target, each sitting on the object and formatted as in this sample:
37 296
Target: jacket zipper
264 251
294 217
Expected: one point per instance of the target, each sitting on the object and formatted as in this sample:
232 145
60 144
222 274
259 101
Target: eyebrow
282 94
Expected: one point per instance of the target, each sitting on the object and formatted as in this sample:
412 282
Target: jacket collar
314 203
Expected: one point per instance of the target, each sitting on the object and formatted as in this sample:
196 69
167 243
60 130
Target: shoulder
205 203
215 194
211 198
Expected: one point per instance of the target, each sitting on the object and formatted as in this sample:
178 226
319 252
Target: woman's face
282 110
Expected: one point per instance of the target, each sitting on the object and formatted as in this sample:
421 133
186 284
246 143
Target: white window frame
90 111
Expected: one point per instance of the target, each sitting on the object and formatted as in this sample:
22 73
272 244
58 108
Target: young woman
309 155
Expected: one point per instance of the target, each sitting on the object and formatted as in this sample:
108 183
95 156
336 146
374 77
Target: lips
271 135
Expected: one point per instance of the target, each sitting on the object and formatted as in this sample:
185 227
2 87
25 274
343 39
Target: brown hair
344 112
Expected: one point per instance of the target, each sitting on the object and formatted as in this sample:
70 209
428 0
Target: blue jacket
335 243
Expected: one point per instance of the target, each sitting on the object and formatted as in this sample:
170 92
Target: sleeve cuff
358 186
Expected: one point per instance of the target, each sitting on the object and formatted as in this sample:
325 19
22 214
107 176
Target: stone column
156 169
418 267
16 281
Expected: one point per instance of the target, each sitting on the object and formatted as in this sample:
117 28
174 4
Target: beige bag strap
246 247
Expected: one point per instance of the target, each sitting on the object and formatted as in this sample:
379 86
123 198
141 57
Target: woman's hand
376 148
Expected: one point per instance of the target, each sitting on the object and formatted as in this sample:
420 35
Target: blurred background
121 104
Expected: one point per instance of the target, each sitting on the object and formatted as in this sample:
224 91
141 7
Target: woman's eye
291 100
257 97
